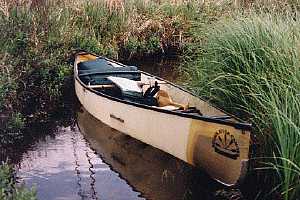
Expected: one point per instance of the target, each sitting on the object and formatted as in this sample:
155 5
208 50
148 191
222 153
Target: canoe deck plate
225 144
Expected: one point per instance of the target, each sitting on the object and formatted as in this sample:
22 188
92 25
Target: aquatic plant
8 188
250 65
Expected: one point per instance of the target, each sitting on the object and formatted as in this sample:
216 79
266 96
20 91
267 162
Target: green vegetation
250 65
144 27
37 39
8 188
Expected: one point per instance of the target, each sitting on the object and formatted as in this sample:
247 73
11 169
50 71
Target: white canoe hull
187 138
170 133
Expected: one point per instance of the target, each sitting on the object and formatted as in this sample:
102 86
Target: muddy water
90 160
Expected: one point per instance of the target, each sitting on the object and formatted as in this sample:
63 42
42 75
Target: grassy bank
250 65
37 39
126 29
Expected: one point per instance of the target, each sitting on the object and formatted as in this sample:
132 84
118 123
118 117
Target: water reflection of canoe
150 171
163 115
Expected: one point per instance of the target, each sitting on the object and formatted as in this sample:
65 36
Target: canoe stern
221 150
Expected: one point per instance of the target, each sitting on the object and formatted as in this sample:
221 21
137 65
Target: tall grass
251 66
111 28
37 38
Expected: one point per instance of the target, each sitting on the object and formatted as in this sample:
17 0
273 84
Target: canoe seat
95 72
102 65
132 91
128 87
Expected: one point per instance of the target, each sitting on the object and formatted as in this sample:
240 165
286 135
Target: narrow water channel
90 160
93 161
65 167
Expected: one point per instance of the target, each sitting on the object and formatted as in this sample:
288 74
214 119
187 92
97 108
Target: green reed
250 65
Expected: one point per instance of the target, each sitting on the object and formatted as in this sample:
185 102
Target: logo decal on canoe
224 143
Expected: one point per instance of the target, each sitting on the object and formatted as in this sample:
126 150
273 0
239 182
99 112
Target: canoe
163 115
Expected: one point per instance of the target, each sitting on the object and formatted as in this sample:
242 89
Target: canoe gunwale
242 126
238 125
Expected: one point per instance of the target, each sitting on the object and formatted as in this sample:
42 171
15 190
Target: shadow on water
86 159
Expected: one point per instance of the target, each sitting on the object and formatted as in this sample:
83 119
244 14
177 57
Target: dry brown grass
117 5
4 8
